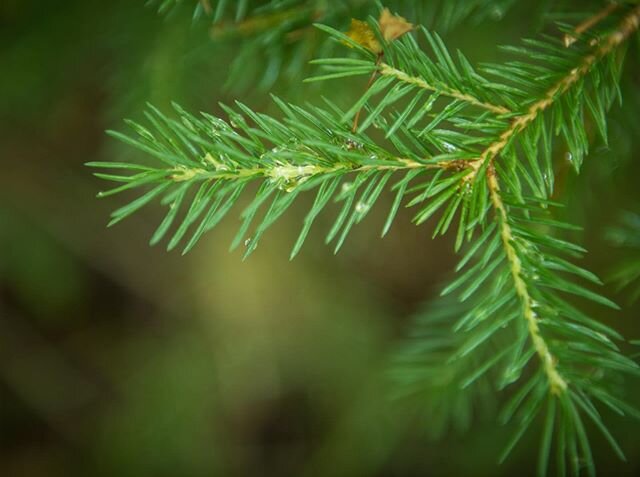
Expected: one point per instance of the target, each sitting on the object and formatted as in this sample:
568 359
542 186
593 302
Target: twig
628 26
386 70
557 384
571 38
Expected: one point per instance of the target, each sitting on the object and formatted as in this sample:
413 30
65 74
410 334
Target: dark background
121 359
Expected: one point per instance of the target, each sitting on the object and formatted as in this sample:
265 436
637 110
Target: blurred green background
121 359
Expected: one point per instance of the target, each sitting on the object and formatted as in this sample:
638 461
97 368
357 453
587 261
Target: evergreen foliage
472 146
276 38
627 235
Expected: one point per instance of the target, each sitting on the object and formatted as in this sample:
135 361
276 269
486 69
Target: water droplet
219 164
351 144
346 187
235 120
362 208
289 176
449 147
569 157
497 13
373 157
222 166
247 242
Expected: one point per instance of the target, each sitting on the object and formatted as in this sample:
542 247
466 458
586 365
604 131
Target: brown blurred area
117 358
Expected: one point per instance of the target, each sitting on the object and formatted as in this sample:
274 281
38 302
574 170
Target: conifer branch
626 28
571 38
281 171
628 25
311 149
386 70
557 383
465 145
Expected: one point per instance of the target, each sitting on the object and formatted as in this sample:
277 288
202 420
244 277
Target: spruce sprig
307 150
476 149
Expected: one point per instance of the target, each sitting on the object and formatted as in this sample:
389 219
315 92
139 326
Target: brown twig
571 38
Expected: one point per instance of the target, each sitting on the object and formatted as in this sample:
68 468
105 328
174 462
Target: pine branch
571 38
512 280
466 145
557 383
614 39
308 150
574 400
627 27
630 23
407 68
386 70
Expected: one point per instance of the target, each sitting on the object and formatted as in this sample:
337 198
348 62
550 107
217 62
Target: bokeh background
117 358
